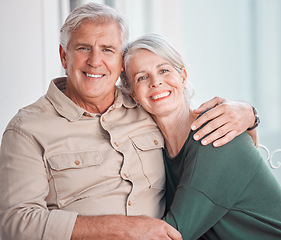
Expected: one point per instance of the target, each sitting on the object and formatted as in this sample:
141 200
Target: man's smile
94 75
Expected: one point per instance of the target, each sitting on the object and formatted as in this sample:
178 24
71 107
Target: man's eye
108 50
83 49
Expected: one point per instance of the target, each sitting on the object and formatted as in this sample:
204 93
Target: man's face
93 61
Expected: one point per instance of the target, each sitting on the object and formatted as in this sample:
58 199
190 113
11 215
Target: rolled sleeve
59 225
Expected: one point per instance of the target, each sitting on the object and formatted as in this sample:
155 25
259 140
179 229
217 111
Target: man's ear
63 57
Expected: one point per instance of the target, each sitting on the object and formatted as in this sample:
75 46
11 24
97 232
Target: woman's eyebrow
138 73
161 64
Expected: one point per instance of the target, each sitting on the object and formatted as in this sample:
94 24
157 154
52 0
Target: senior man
84 162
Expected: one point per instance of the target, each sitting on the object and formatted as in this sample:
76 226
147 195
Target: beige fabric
57 161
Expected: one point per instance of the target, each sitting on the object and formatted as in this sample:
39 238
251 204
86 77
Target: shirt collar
68 109
122 99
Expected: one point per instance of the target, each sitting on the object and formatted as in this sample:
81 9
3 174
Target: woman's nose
155 81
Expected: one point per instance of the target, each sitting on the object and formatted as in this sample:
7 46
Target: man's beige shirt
57 161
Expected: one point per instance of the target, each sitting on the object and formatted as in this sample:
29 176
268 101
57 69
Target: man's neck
92 105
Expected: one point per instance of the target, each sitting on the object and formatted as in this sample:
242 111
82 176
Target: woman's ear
134 97
184 76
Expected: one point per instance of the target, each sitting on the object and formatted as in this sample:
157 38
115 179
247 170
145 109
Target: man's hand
227 119
120 227
144 227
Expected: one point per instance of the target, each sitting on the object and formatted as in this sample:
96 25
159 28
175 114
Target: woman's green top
222 193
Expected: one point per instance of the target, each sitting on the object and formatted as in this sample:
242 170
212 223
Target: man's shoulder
33 112
122 98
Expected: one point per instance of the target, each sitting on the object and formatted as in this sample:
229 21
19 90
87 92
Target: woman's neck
175 128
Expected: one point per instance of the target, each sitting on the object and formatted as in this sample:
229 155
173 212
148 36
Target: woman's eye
141 78
164 70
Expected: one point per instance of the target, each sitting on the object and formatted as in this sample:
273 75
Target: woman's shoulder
231 154
222 172
241 147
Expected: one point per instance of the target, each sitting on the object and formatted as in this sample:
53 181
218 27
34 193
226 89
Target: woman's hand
227 119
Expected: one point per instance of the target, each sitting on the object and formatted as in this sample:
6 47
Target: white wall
29 52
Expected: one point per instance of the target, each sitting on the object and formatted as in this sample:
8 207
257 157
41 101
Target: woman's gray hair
96 13
161 47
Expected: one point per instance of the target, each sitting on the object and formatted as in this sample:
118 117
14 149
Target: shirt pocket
74 173
149 148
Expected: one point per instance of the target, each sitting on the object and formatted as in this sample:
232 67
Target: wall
29 52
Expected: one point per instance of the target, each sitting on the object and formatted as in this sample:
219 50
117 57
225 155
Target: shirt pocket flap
62 161
148 141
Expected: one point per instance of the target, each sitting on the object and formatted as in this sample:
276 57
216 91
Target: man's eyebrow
108 46
82 44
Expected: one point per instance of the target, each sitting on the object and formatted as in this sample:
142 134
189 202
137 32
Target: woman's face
156 84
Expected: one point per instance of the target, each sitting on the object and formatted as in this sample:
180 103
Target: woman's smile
159 96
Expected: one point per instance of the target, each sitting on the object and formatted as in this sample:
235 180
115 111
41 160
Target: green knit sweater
222 193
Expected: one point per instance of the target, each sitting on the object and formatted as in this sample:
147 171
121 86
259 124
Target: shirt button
116 144
130 203
77 162
155 142
126 176
87 114
103 119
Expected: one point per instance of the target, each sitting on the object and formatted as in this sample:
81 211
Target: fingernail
193 127
196 137
204 142
215 144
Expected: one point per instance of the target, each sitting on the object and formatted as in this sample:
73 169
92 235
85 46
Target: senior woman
212 193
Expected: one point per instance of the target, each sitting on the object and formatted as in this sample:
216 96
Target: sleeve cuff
60 225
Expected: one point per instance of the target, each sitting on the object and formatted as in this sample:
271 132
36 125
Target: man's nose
95 58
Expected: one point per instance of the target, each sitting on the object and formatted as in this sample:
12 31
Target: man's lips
160 95
94 75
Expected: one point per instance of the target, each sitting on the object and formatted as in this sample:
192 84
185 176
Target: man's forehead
109 26
89 31
106 34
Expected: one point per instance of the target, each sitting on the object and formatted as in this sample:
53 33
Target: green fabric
222 193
